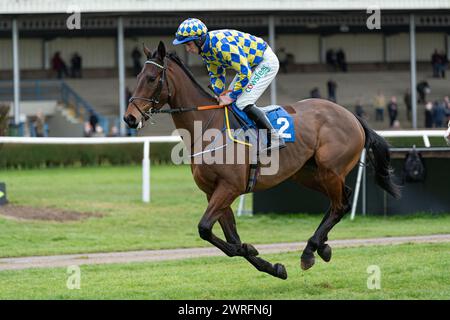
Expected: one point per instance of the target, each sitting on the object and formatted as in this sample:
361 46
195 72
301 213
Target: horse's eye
150 79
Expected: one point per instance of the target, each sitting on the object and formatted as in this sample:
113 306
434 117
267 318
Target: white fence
119 140
425 134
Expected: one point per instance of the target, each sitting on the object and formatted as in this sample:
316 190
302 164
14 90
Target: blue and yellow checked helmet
189 30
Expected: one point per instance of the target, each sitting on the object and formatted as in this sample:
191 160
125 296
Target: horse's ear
147 51
161 50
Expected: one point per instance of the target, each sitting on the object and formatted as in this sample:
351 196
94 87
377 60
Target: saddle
240 127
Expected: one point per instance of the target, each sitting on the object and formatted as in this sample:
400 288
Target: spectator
59 65
136 56
87 129
283 58
438 114
443 64
435 63
39 125
392 111
113 132
407 100
447 108
315 93
75 66
331 59
290 59
341 60
429 115
98 132
128 95
93 120
379 104
396 125
359 110
331 85
423 88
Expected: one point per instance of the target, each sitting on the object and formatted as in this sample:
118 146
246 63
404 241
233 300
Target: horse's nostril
130 120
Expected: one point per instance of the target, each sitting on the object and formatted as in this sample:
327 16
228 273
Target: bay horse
329 141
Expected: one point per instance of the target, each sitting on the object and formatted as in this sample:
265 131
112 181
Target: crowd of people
92 128
437 113
336 60
331 90
286 59
60 66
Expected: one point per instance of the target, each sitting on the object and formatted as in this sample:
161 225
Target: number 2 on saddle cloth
237 123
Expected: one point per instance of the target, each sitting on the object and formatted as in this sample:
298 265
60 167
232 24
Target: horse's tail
380 159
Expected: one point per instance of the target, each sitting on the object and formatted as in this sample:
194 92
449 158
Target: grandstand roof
112 6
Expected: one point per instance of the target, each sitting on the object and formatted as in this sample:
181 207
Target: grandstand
378 59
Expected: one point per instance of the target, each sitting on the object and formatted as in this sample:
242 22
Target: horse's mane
175 58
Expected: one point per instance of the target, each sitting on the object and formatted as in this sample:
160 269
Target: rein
157 95
181 110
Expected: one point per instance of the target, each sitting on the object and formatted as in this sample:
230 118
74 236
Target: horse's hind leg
331 185
335 190
323 249
228 224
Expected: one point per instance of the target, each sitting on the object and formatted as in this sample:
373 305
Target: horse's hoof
249 250
325 252
307 262
280 271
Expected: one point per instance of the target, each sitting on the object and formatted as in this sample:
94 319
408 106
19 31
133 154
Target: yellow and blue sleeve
235 57
217 77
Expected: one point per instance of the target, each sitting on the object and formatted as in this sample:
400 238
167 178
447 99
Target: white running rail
113 140
425 134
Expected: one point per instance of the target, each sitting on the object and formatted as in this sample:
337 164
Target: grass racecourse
417 271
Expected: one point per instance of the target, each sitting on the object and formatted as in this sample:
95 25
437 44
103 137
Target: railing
145 140
424 134
32 90
158 139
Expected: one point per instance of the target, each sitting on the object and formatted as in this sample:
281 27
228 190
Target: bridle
154 100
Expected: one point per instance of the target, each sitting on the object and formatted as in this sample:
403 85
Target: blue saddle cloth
281 121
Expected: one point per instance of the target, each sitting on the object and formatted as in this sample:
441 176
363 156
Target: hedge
40 156
4 110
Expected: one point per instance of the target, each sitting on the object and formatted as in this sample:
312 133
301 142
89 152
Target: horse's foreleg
228 225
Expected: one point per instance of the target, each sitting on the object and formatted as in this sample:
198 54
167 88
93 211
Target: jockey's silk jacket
231 49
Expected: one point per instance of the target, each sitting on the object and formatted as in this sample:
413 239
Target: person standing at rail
255 63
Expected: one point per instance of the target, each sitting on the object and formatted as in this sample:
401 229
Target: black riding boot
274 140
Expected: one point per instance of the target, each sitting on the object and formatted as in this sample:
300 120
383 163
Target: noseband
157 94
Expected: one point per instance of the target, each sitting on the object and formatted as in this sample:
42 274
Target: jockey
251 57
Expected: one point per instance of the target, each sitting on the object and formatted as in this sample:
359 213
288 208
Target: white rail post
241 205
412 54
426 141
146 173
362 161
273 85
121 66
16 71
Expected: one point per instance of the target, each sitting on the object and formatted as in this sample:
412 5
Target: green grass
410 271
169 221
